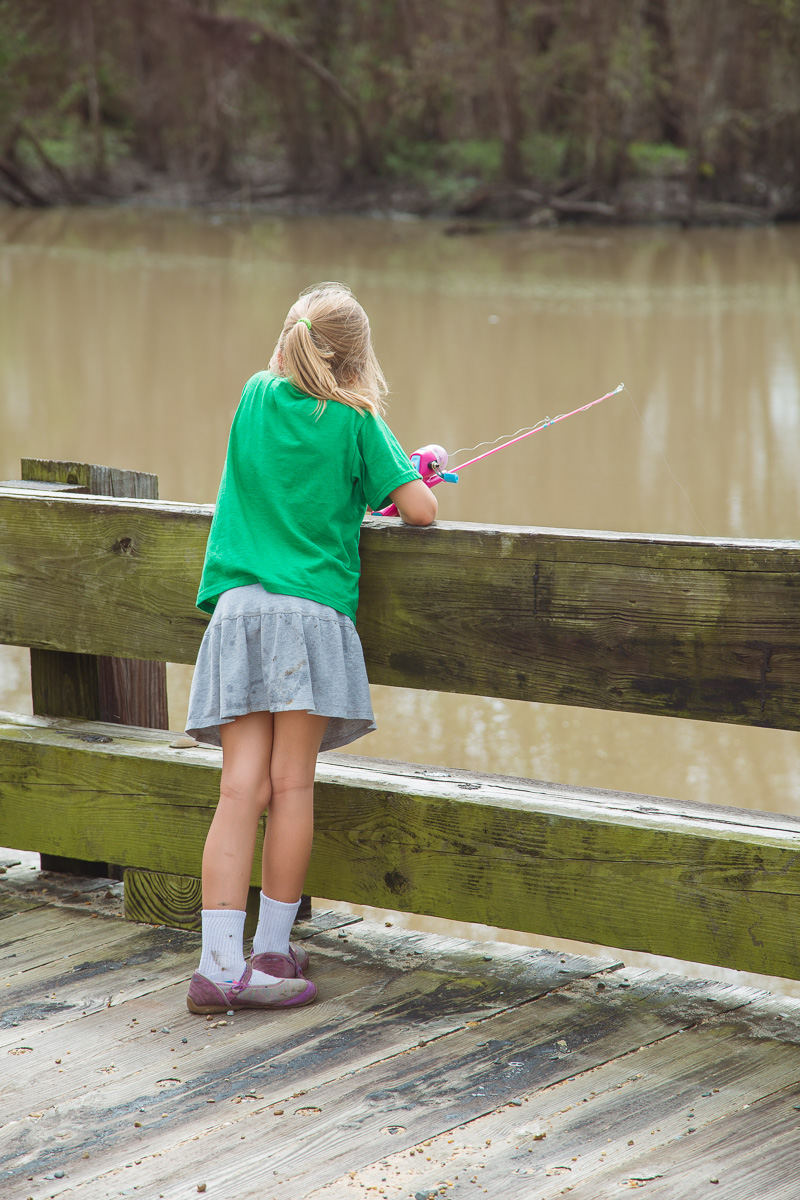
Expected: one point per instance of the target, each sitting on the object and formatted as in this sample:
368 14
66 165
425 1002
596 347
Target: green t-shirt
294 491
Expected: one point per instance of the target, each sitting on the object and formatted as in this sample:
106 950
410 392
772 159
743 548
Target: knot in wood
123 545
395 881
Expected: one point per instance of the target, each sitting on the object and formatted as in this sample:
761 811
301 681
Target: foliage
657 160
442 96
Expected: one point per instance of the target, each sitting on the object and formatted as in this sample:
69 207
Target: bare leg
290 827
244 797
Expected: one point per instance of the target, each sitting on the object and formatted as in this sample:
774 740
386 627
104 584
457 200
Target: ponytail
325 349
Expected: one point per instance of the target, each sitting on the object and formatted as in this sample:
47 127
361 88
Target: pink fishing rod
542 425
431 460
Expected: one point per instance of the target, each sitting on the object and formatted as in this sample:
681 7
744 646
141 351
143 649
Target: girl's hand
415 502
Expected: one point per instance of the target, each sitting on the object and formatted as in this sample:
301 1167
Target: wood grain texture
156 897
701 628
625 1122
421 1060
97 480
116 577
661 626
691 881
122 690
105 688
312 1048
133 691
160 898
65 684
74 940
435 1083
760 1142
35 485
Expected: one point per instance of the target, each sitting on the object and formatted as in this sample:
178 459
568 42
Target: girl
280 674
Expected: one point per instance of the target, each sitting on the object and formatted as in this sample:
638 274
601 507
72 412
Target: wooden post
125 691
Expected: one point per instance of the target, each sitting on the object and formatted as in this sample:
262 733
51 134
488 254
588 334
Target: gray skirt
262 652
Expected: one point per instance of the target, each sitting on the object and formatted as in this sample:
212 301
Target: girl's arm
415 502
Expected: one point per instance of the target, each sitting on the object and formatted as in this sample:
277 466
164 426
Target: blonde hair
325 349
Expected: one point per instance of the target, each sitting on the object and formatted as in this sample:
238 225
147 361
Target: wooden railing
687 627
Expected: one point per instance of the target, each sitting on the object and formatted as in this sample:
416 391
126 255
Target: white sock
275 920
222 957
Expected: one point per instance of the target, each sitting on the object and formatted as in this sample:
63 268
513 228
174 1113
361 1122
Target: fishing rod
431 461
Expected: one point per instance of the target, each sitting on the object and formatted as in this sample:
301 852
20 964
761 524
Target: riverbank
478 112
476 208
468 207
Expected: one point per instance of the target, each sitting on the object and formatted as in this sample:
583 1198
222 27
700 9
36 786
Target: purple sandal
205 996
286 966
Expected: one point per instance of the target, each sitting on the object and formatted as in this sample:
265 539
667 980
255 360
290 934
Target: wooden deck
429 1066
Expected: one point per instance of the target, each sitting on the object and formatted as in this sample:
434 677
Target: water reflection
125 338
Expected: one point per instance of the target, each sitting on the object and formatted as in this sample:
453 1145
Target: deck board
580 1130
428 1062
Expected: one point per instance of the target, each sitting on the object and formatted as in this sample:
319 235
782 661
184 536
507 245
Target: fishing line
543 424
503 437
528 430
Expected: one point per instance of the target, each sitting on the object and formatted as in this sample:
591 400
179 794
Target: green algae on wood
696 882
692 627
164 898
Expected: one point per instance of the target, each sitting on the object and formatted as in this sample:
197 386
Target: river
126 336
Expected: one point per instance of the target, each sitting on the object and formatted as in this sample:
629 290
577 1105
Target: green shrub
657 160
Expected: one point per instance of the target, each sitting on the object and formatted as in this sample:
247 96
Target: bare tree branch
20 192
248 35
46 160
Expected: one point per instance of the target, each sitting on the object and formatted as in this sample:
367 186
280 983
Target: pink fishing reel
431 462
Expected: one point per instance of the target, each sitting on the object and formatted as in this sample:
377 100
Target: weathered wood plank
750 1153
65 684
44 961
584 620
372 1007
95 479
104 688
691 881
30 885
36 944
126 691
43 988
451 988
141 559
35 485
622 1122
111 964
375 1005
11 905
161 898
150 894
94 805
312 1136
98 688
41 919
396 1054
418 1043
702 628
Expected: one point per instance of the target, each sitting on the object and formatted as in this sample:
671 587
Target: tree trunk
93 91
508 105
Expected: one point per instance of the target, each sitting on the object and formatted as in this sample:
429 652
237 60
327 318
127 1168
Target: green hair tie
305 321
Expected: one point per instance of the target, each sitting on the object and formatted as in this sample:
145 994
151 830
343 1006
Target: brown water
125 338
